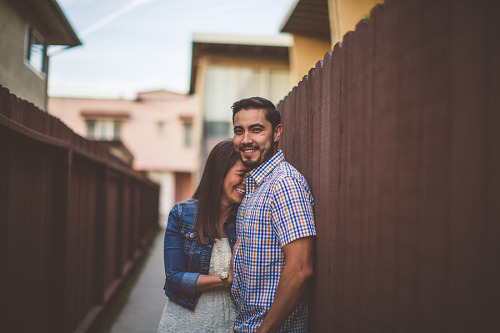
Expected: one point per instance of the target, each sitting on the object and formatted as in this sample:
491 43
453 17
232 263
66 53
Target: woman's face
233 186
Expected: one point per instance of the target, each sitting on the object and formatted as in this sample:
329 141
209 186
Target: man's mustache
249 146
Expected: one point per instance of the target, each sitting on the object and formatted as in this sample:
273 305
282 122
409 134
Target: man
275 225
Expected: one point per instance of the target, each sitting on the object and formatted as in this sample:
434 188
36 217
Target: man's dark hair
272 115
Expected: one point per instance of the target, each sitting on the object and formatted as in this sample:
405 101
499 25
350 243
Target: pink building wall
153 129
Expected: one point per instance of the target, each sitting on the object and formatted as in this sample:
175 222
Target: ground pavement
145 305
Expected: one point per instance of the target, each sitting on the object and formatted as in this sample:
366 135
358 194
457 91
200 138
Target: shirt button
191 235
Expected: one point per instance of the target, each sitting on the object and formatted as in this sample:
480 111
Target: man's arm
292 284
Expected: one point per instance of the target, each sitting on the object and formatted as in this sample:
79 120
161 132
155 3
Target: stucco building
27 29
158 128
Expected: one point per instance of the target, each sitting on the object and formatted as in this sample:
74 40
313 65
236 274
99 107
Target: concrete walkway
144 307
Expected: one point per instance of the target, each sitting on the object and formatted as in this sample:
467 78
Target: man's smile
247 151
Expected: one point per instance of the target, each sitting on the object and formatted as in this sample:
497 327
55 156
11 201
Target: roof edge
282 39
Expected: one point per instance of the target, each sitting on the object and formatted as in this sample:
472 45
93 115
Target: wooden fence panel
125 228
27 246
396 134
72 224
111 270
81 241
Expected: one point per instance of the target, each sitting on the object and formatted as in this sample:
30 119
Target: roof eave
49 20
308 18
208 44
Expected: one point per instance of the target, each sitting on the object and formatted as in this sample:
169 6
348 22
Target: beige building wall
15 74
211 62
307 51
153 129
304 54
166 179
345 14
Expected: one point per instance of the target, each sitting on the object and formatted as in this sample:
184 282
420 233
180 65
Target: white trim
283 39
289 13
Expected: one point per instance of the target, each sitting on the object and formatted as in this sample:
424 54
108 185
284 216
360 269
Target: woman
200 236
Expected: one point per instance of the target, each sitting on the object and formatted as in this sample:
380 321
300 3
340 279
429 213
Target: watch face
223 275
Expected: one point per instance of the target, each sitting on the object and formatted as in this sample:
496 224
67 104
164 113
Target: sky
132 46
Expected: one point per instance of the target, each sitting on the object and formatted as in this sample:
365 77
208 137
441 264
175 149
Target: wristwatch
224 277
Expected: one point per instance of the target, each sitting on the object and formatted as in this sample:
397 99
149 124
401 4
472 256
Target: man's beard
262 158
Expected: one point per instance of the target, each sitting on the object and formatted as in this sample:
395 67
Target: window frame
188 134
103 129
33 38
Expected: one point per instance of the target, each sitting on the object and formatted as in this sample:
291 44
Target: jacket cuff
188 283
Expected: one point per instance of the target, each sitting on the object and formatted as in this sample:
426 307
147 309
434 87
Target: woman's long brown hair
219 161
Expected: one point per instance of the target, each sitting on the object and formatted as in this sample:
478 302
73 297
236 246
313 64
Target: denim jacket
184 257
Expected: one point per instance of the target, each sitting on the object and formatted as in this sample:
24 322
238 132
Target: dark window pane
217 129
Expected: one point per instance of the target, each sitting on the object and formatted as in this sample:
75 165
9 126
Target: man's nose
247 138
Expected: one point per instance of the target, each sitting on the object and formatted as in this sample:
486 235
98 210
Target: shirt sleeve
292 210
177 277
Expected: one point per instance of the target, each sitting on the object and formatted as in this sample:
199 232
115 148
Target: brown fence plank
302 114
491 181
335 160
393 305
468 84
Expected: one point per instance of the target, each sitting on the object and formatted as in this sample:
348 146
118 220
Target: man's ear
277 132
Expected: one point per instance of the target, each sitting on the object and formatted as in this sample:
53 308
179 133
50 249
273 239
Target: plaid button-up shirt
276 210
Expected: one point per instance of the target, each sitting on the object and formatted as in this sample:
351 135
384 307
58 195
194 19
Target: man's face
254 138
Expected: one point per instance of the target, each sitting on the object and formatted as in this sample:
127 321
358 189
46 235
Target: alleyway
144 307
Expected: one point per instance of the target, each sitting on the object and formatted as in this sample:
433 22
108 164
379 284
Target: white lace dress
215 311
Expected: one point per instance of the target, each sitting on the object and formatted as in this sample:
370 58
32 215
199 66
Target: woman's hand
212 282
230 272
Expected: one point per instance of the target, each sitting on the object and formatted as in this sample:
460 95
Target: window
188 130
36 52
160 125
103 129
214 129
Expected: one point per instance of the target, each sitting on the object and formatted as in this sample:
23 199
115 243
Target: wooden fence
74 221
398 133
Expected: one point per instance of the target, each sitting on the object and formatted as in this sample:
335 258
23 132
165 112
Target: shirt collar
262 171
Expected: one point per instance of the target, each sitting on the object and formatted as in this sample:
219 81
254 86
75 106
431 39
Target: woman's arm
210 282
177 277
